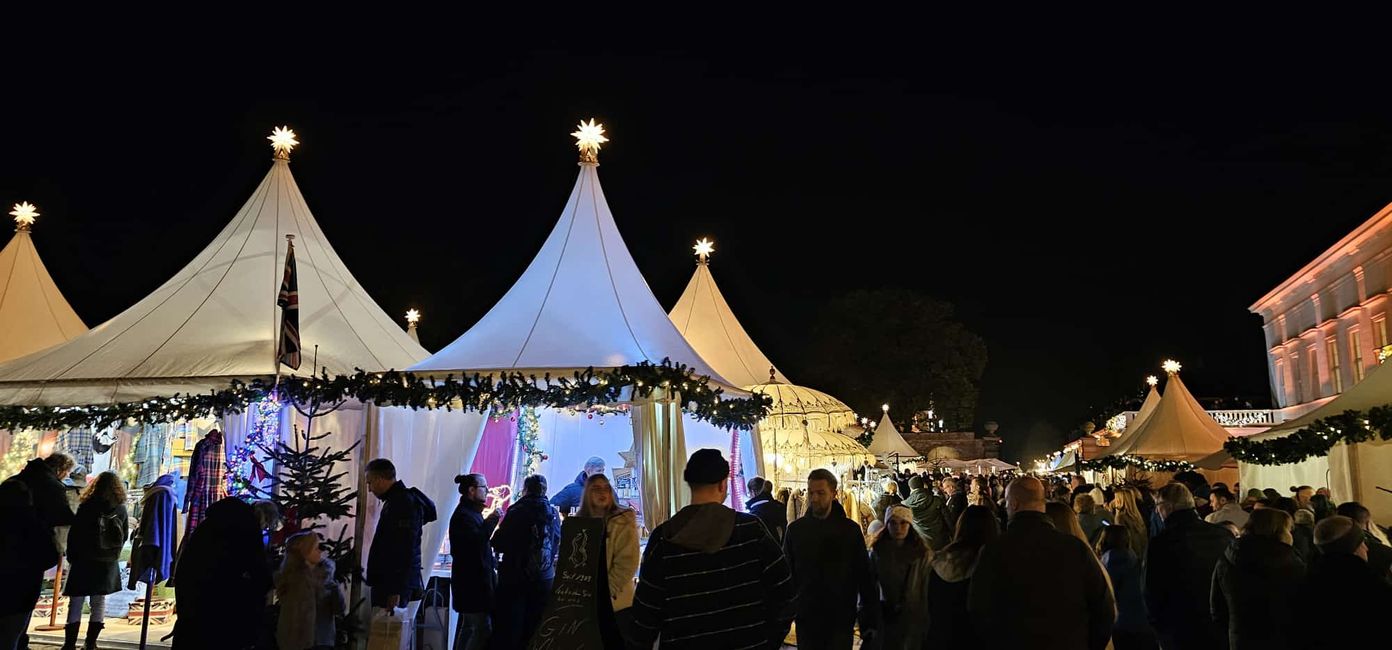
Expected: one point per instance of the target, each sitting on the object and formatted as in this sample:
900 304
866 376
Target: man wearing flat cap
712 577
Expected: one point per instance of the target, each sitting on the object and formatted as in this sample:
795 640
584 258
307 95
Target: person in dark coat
772 512
43 481
571 496
1303 535
27 550
528 537
394 559
711 577
835 587
956 499
1037 587
890 497
949 624
1179 573
1379 554
474 576
1255 585
1340 587
1132 629
221 581
931 516
98 533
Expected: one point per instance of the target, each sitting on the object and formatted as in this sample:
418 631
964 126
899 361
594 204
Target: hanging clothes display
207 481
78 444
152 550
151 452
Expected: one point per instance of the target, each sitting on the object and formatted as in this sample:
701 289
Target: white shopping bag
392 628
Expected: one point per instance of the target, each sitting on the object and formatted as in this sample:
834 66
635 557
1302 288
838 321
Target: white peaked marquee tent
887 441
33 314
1178 429
803 429
1351 472
1152 400
216 320
583 303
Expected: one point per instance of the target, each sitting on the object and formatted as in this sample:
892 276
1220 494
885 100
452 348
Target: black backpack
541 555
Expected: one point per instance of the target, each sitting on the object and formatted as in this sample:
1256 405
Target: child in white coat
310 599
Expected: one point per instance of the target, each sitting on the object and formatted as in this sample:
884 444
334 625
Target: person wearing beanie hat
1349 590
711 577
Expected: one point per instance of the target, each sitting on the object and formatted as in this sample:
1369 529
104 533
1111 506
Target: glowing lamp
412 316
1153 380
704 247
24 214
1170 366
588 138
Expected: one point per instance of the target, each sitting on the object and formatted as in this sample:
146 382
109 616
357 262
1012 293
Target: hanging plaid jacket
207 482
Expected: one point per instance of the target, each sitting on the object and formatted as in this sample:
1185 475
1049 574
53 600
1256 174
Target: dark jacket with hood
830 566
949 624
26 549
1255 593
1340 587
1379 558
222 580
1036 587
1179 576
94 568
394 560
528 538
712 578
474 576
49 495
571 495
930 517
773 513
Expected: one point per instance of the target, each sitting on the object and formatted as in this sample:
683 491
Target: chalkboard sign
579 615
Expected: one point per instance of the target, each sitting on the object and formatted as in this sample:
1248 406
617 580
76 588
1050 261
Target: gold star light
1170 366
588 139
412 316
1152 380
704 247
282 140
24 214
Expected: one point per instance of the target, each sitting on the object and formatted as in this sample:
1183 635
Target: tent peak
588 138
24 214
282 142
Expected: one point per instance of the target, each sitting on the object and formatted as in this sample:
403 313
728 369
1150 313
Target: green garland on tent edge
477 392
1124 461
1317 439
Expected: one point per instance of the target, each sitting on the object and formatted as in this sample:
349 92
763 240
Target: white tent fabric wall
428 447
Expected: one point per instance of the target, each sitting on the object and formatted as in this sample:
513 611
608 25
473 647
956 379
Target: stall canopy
33 313
1152 400
1178 429
217 318
803 430
581 303
887 441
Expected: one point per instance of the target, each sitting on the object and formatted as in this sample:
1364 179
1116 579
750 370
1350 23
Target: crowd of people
1009 561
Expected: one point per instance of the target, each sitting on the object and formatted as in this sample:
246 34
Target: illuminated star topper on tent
588 138
282 141
24 214
704 247
1152 381
1170 366
412 316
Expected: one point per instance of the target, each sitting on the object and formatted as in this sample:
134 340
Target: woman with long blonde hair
98 533
621 545
900 560
1126 506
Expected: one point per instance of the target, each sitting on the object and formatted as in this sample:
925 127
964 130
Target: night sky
1091 207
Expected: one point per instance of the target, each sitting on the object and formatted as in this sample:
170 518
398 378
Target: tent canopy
1152 400
887 441
1178 429
217 318
33 314
706 321
581 303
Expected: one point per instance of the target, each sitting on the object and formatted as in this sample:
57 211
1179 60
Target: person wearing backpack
528 538
394 559
94 549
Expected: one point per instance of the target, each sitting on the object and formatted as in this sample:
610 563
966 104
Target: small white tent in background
217 320
582 303
887 443
803 430
33 313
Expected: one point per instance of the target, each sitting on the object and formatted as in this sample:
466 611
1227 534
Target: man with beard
831 570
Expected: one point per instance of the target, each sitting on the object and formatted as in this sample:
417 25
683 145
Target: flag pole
279 321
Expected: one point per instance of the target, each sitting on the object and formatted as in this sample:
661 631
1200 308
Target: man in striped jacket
712 577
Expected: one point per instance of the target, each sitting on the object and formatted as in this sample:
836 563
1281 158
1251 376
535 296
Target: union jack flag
289 302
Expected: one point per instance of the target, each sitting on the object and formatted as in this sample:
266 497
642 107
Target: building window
1331 352
1380 332
1298 380
1313 364
1356 346
1282 382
